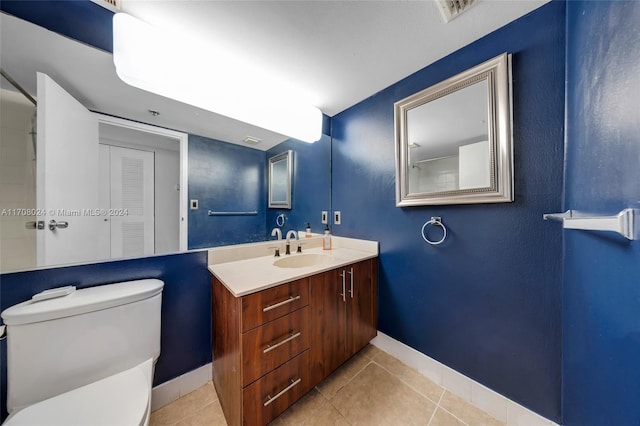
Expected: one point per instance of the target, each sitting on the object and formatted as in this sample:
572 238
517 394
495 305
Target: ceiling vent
250 140
112 5
449 9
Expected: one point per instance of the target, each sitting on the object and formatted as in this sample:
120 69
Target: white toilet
84 357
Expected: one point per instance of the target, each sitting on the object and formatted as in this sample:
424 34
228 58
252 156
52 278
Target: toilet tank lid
82 301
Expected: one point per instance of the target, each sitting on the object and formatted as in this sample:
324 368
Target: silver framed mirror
454 142
280 177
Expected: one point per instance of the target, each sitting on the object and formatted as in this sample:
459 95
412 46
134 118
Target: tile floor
372 388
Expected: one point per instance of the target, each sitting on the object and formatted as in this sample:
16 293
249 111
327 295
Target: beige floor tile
376 397
184 406
371 351
467 412
413 378
444 418
301 410
372 388
168 415
326 415
210 415
336 381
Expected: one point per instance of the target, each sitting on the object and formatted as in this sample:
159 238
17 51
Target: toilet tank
60 344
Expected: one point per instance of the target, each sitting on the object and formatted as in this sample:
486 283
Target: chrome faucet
288 247
278 232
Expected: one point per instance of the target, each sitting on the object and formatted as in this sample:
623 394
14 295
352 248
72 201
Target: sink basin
302 260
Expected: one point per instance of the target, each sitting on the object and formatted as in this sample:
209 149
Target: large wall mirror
189 152
454 139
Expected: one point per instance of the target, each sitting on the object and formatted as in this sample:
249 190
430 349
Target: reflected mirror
280 173
453 140
219 171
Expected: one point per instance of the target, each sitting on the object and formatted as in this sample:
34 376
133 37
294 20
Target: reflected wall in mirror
454 141
17 180
223 176
280 174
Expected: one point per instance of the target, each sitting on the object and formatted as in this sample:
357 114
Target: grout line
314 411
411 386
437 405
344 386
347 382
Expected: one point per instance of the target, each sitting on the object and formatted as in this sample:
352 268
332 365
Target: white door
132 202
67 177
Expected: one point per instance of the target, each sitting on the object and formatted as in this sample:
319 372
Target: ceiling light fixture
206 77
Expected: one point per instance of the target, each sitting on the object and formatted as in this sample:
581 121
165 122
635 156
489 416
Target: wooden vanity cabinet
344 304
273 346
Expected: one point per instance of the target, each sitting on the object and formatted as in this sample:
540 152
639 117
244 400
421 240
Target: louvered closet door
132 202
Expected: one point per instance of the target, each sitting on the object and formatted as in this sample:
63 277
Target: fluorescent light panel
204 76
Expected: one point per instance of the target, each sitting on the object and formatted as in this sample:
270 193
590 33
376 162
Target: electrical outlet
193 204
337 217
325 217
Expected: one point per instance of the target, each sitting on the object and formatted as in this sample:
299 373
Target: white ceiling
339 52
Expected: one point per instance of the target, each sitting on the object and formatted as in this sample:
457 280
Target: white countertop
252 274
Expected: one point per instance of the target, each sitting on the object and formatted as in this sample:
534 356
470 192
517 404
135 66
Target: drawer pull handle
282 392
284 302
288 339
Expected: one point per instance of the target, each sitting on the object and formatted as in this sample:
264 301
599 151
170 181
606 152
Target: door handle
351 289
60 225
344 286
34 225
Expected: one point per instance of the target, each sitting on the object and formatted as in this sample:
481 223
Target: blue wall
487 301
311 192
227 178
601 303
186 304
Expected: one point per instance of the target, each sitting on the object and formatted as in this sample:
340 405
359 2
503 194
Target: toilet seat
121 399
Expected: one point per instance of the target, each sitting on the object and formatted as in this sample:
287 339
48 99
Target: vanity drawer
274 343
267 305
266 398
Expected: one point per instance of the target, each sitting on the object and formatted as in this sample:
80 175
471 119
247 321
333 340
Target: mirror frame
288 157
497 73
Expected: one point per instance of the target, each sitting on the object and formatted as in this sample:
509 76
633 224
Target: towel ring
434 221
280 219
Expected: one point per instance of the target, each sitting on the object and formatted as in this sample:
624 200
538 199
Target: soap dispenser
307 233
326 240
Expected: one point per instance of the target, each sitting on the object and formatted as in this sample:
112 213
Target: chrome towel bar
212 213
623 223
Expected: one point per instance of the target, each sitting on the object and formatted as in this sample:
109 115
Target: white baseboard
487 400
168 392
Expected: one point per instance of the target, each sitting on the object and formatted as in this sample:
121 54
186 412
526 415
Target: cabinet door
361 306
328 340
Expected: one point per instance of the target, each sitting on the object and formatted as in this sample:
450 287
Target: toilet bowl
84 357
121 399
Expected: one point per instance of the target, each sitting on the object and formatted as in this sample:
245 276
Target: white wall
17 182
436 175
167 201
475 165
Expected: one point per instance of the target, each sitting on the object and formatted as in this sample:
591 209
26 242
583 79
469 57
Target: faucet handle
300 247
277 251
